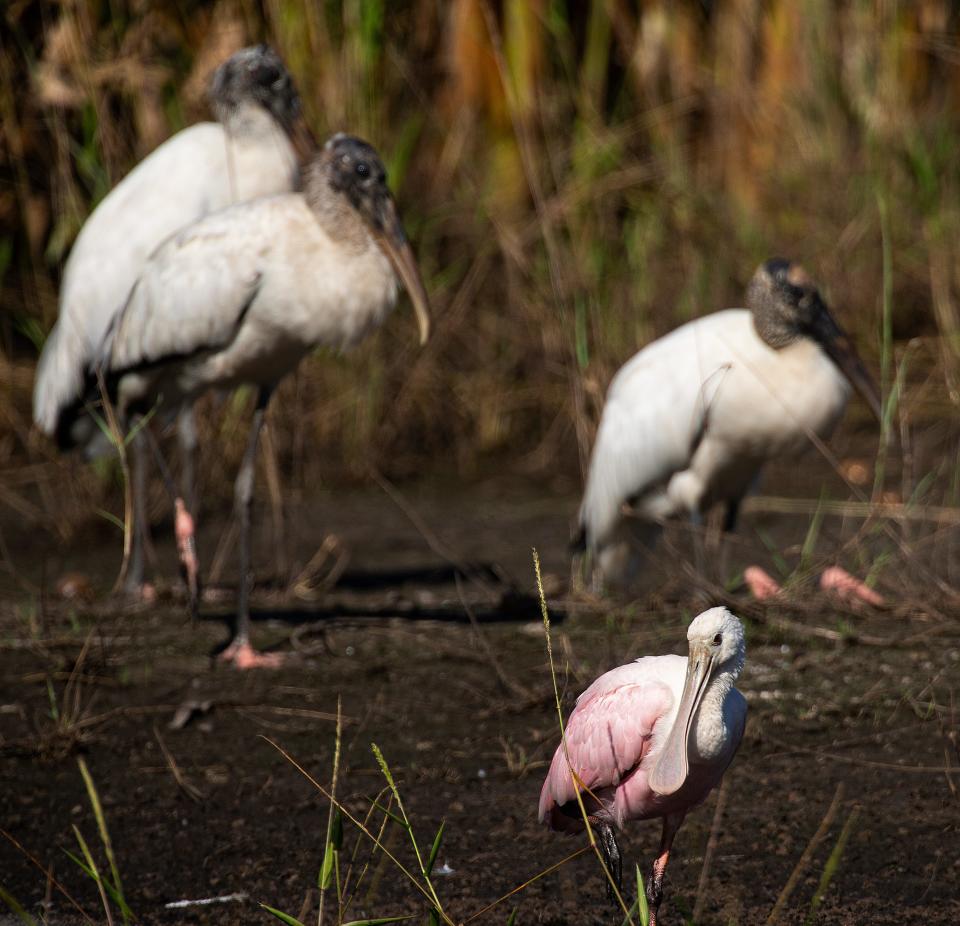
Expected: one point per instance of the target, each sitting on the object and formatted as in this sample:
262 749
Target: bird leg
133 582
612 858
671 823
239 651
183 529
187 437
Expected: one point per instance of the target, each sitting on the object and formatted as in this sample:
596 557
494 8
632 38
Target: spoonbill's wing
607 736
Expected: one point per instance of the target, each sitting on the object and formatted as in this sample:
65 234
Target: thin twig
806 855
708 854
190 790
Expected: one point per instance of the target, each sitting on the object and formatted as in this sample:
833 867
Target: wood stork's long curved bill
841 351
388 231
673 765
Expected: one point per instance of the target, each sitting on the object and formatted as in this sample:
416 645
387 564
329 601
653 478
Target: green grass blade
642 907
832 866
16 908
379 921
117 885
280 915
435 849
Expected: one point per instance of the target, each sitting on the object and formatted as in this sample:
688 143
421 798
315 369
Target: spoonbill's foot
244 656
848 587
184 530
761 584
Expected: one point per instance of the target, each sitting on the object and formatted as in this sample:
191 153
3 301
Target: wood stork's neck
774 327
248 121
336 215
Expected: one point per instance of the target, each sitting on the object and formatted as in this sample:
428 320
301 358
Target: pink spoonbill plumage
650 740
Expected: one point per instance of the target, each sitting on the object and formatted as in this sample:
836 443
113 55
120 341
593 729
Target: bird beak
841 351
393 241
672 768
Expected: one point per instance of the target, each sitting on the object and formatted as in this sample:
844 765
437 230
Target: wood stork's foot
244 656
185 532
848 587
139 592
612 859
761 584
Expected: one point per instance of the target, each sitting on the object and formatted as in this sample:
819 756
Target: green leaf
391 815
512 919
435 849
15 907
283 917
642 906
326 869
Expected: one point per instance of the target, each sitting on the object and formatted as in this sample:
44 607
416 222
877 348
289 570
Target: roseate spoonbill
690 420
243 295
651 740
252 151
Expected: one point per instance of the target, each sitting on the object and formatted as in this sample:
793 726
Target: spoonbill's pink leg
671 823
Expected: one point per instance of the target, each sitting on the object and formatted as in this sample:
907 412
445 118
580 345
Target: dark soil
465 716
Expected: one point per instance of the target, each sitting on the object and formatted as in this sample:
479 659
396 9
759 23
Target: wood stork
650 740
252 151
690 420
243 295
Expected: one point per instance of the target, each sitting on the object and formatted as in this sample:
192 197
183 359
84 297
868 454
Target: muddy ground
853 710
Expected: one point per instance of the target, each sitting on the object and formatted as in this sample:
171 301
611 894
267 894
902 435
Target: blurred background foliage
577 178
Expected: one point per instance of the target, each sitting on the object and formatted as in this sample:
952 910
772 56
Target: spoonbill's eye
363 169
718 639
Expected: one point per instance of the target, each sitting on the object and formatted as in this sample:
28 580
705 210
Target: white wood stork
252 151
243 295
690 420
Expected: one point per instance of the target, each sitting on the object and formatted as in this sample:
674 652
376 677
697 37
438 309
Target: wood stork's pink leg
183 529
671 824
240 652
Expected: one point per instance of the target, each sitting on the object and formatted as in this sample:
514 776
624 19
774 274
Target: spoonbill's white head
257 75
717 636
787 305
717 651
348 174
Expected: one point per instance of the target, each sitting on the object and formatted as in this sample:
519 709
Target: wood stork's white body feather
689 421
198 171
241 296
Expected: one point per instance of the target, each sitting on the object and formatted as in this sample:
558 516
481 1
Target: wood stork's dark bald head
787 306
257 76
346 180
